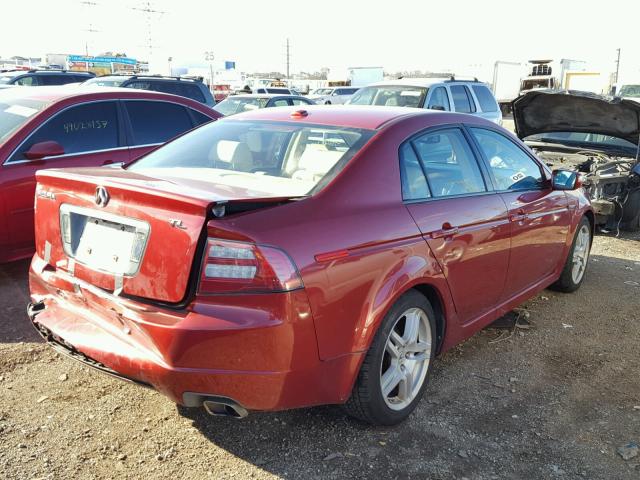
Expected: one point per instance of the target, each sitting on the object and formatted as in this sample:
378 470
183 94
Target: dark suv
39 78
183 87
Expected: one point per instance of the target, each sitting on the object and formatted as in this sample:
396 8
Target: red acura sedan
284 258
53 127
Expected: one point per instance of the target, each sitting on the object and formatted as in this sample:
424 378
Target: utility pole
148 9
90 30
288 58
209 57
617 66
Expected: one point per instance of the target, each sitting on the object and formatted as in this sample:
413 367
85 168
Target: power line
90 30
148 9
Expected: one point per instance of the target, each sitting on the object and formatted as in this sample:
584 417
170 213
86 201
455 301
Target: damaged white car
595 135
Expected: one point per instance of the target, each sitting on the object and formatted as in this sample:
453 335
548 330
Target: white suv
451 95
332 95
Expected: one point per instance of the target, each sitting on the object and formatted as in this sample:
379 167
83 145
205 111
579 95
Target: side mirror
44 149
566 180
437 107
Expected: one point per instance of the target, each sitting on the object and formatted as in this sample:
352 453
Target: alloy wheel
406 359
580 254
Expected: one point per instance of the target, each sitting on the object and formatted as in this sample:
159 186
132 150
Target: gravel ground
555 400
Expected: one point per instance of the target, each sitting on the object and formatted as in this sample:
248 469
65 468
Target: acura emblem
102 197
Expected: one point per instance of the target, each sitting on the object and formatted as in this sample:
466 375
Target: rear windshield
390 95
232 105
279 158
106 82
15 112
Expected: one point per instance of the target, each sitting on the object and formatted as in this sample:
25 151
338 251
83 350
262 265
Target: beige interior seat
236 154
315 162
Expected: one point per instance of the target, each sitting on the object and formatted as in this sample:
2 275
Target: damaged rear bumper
260 353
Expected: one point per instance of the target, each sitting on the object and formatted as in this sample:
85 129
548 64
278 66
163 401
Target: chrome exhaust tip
224 408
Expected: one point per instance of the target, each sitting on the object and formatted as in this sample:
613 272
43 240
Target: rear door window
54 79
414 182
200 117
193 92
450 166
280 102
462 99
83 128
439 98
485 98
28 81
156 122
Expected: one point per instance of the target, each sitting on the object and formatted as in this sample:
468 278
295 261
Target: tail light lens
238 267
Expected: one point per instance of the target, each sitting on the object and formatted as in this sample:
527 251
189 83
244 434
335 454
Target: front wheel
394 372
576 265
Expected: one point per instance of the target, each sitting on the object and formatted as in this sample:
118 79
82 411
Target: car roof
264 95
58 93
421 82
16 73
350 116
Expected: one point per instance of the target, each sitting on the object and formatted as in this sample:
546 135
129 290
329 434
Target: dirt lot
552 401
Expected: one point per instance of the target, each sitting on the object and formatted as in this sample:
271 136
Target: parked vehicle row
242 103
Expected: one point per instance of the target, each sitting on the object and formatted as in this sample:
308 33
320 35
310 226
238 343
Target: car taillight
239 267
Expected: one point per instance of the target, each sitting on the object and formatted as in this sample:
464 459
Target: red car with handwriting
284 258
54 127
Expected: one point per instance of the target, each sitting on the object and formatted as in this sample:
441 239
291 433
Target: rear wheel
394 373
576 265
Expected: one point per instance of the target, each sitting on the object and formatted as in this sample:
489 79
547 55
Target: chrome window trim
56 157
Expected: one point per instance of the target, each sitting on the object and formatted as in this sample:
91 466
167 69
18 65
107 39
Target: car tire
328 102
401 353
631 212
575 267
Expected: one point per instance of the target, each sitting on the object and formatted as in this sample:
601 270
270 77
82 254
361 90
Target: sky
463 36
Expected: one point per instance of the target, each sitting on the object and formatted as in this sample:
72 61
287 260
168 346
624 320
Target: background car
290 257
72 126
39 78
184 87
595 135
276 91
242 103
451 95
332 95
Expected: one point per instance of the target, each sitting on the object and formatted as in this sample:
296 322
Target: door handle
446 231
519 216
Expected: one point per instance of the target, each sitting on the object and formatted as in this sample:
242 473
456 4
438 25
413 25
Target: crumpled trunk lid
125 232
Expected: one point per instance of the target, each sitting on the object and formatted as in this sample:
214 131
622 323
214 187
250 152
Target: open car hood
569 111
